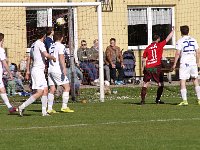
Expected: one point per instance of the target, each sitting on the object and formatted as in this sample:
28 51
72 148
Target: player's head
112 42
184 30
1 37
58 36
156 38
41 34
50 31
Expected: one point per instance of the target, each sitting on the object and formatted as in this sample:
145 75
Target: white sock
65 97
44 104
27 102
197 89
184 94
5 99
50 101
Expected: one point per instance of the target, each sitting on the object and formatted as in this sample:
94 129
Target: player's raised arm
170 35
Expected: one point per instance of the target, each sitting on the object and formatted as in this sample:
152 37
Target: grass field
119 123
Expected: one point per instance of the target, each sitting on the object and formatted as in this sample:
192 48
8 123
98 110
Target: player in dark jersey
152 66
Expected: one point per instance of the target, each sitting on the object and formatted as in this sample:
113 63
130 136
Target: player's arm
177 55
7 68
170 35
48 56
28 63
197 58
62 63
143 63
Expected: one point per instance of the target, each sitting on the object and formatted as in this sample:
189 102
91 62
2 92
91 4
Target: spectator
78 77
49 39
115 60
85 57
11 84
95 53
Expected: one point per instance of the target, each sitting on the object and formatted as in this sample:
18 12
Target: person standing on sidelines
188 52
57 74
152 66
38 54
3 62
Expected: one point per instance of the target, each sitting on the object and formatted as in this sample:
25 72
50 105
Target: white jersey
188 46
36 54
55 50
2 57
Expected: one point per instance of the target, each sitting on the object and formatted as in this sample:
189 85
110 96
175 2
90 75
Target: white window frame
149 25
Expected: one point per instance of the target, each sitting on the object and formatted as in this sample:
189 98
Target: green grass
119 123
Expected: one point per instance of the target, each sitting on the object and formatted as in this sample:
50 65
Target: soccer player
4 63
37 55
152 66
188 52
57 74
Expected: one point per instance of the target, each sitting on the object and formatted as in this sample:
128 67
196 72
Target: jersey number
188 44
154 55
52 50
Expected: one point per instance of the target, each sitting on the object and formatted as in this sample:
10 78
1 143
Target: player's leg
194 75
184 74
29 101
65 97
44 100
146 80
159 78
144 92
52 82
5 97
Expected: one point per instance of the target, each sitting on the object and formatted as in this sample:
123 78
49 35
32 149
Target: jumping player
37 55
4 63
152 66
57 74
188 52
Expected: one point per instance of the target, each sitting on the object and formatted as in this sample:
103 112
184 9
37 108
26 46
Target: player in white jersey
4 63
57 74
37 55
188 52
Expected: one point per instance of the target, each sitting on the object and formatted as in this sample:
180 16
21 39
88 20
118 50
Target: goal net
81 25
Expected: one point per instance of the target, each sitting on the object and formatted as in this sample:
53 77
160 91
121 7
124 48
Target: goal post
74 5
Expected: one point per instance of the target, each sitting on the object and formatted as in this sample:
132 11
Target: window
42 18
143 23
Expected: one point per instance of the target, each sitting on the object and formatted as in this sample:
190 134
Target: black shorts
153 73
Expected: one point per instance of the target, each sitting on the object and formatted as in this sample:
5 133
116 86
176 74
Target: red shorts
153 73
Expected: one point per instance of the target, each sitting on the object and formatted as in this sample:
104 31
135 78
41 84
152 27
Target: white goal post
75 4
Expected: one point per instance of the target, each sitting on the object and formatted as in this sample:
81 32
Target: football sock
5 99
27 102
44 104
65 97
184 94
197 89
50 101
159 92
143 93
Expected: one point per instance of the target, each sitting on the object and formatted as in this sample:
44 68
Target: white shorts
1 81
57 79
186 71
38 79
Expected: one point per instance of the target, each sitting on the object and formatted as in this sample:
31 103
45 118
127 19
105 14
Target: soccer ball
60 21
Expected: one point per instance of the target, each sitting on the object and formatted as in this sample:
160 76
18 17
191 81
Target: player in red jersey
152 66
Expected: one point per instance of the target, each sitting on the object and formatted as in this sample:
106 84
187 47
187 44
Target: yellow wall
13 24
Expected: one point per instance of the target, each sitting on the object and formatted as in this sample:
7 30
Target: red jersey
153 53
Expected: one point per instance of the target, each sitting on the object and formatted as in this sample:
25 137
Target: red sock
143 93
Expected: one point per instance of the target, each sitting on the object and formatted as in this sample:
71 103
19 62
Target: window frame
150 27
